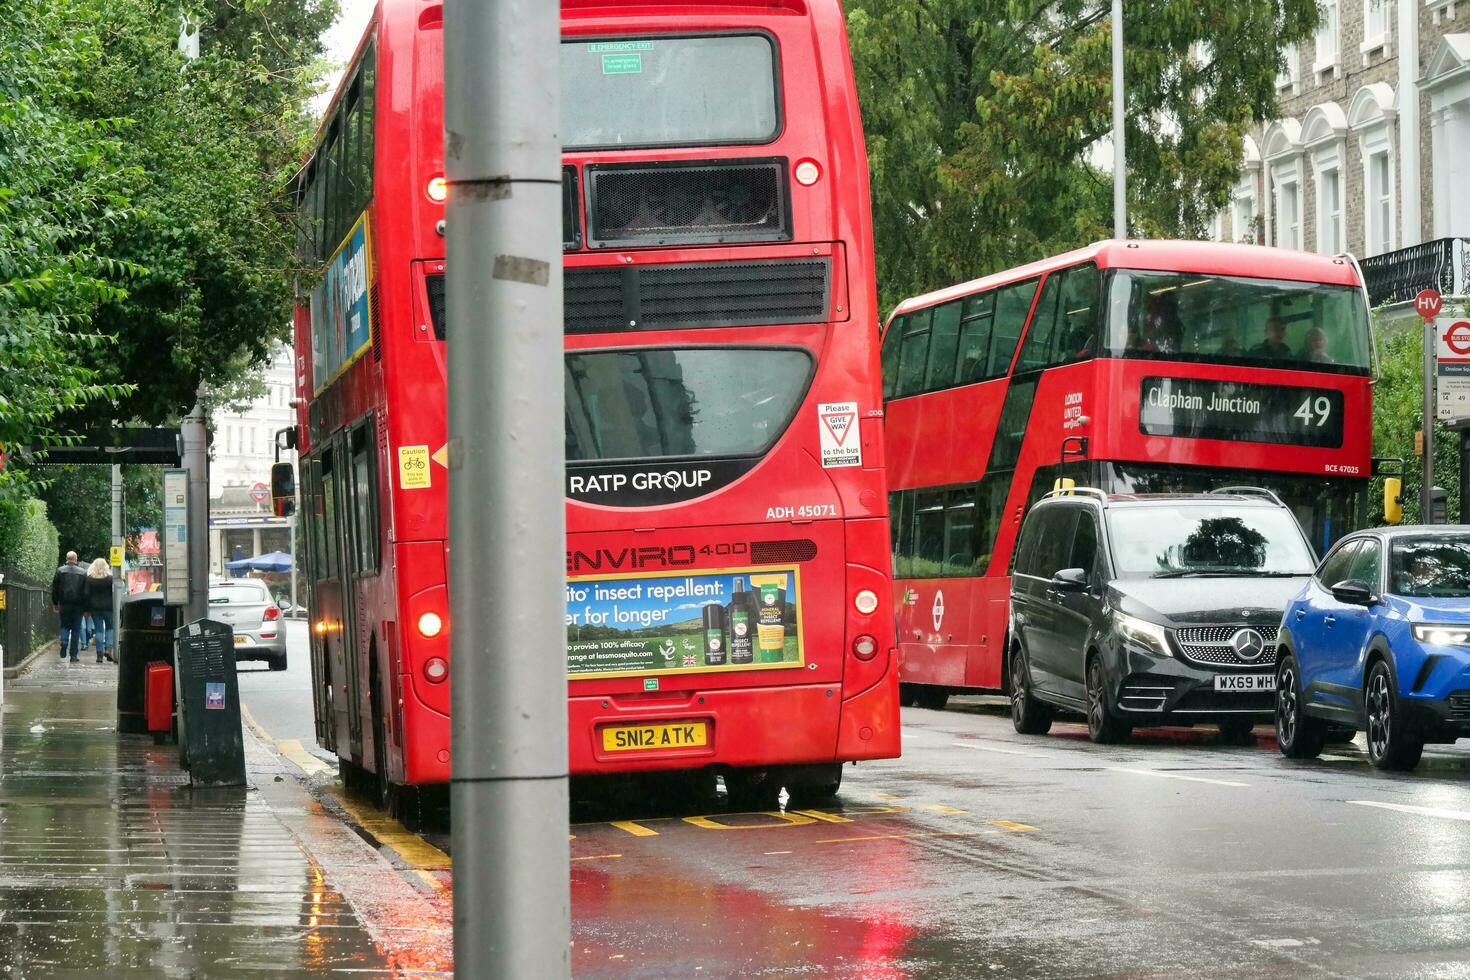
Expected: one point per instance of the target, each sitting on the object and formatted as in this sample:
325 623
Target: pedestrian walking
99 603
69 598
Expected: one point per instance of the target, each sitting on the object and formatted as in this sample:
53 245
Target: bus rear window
669 91
1276 322
652 403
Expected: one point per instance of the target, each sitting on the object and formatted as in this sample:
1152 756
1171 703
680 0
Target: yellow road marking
293 749
819 815
885 796
596 857
634 828
1019 828
784 820
941 808
958 833
413 850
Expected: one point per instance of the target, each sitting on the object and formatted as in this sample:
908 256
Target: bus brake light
864 647
436 669
430 625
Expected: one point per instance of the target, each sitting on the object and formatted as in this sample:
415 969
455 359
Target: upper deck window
1275 322
669 91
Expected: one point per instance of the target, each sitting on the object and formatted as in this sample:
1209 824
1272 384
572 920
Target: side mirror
283 489
1393 500
1354 593
1069 580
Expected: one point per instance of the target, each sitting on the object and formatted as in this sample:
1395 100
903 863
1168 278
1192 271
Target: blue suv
1379 640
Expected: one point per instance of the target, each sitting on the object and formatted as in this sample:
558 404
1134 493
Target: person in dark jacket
99 603
69 598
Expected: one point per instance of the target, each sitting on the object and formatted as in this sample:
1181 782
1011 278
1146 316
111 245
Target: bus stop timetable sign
1452 370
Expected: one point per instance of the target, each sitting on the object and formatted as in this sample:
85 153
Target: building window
1287 77
1329 212
1243 219
1375 28
1288 215
1380 204
1327 38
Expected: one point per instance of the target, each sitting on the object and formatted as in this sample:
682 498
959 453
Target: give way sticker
841 445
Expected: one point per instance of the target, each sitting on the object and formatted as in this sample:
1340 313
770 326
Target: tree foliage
1398 413
987 122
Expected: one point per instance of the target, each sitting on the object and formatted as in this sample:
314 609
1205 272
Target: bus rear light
438 190
808 172
430 625
436 669
866 602
865 647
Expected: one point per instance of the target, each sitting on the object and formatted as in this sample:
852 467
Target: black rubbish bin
145 634
211 741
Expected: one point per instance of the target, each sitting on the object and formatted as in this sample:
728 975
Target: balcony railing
1397 277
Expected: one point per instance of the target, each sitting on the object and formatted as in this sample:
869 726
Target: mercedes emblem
1248 645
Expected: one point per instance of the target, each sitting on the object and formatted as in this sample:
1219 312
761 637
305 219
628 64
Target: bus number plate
630 738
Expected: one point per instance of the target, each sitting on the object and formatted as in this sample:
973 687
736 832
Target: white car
246 605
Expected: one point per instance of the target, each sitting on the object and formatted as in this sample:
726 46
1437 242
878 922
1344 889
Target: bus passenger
1316 347
1274 346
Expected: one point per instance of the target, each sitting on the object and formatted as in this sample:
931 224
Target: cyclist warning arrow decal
841 446
441 456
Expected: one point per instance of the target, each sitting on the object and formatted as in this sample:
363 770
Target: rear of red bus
1141 367
728 598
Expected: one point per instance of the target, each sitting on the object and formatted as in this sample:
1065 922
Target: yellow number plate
683 735
239 641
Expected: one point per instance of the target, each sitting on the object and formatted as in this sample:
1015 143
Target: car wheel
1238 731
1297 735
1390 744
1028 715
908 695
278 663
1103 724
931 697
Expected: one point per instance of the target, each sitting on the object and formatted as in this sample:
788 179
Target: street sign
115 555
1428 303
1452 370
176 537
260 493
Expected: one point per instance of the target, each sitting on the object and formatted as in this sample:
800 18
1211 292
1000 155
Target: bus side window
903 553
329 516
959 533
1012 303
990 501
365 497
1076 328
891 342
1037 352
944 337
913 354
929 534
974 347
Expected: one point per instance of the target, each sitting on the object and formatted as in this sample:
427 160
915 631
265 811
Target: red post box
159 697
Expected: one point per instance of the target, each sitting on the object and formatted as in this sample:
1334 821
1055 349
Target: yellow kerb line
411 849
596 857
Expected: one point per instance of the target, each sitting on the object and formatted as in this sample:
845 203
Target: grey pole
507 533
1120 154
196 461
1426 491
117 540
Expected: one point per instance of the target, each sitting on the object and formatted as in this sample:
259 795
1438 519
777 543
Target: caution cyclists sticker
841 445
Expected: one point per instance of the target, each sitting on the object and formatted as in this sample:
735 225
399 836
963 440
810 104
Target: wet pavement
111 864
984 853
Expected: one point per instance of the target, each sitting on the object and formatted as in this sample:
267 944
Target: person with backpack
69 598
99 603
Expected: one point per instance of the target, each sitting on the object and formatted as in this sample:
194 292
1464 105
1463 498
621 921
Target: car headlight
1442 636
1140 632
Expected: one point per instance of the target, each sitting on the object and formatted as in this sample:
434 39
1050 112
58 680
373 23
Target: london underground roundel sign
1457 337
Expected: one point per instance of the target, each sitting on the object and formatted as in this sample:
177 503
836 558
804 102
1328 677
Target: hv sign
1452 369
841 444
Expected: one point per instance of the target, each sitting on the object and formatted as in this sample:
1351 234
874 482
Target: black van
1148 609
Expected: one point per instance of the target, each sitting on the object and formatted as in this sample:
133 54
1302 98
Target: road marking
634 828
769 853
884 796
819 815
992 748
1005 826
1423 811
1174 775
941 808
596 857
783 820
293 749
411 849
1020 828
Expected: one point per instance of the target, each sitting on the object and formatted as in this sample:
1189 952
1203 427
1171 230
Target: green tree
1398 413
985 119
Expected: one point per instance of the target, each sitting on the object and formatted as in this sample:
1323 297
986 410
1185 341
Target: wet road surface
985 853
110 864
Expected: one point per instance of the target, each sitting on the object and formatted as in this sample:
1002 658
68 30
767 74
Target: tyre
931 697
1238 731
749 790
1390 743
1298 735
1103 724
908 695
813 785
1028 715
278 663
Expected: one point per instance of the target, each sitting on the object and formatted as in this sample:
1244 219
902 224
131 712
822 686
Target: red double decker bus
1133 367
728 603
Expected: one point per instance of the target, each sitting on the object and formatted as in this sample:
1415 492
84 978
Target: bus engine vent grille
571 226
686 203
781 552
434 284
376 321
610 299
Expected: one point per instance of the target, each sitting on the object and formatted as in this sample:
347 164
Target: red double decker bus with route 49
1132 367
728 605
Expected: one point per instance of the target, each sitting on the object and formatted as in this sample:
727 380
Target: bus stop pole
194 439
1426 491
1120 154
507 522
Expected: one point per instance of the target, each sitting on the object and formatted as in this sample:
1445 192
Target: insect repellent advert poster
679 623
